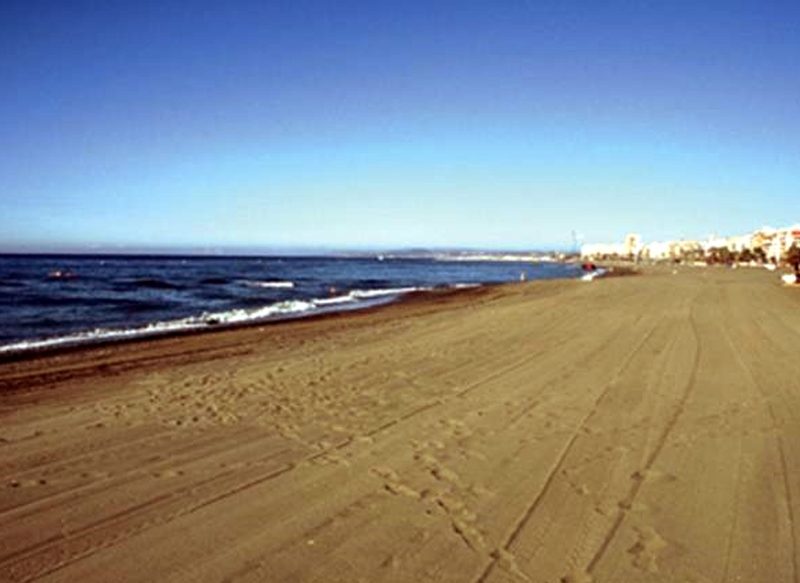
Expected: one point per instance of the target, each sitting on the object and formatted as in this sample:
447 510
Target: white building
714 242
782 241
657 251
739 243
633 244
629 249
762 238
774 242
600 250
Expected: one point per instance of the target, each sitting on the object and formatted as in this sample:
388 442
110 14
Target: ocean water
48 301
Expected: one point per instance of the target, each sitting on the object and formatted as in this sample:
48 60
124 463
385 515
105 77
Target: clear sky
394 124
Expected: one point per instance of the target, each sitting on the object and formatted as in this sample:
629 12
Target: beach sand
640 428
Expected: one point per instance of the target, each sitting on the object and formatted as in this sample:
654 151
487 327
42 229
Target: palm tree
746 256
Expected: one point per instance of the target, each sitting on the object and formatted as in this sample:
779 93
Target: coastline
58 348
91 302
549 430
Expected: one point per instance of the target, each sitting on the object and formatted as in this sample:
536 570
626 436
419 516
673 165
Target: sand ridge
630 429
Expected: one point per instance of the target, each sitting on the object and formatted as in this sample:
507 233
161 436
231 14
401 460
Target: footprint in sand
391 562
508 561
646 549
392 483
577 576
652 476
455 428
94 475
471 536
168 474
331 459
479 491
462 519
580 488
26 483
443 474
631 505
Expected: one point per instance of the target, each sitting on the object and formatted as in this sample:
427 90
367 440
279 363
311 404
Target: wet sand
631 429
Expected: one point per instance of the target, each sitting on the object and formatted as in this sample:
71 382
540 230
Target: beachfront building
681 250
602 250
739 243
687 250
633 244
762 238
764 244
782 240
630 248
714 242
657 251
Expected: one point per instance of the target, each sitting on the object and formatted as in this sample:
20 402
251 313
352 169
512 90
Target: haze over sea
57 300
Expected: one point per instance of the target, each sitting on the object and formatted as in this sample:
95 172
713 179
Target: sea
49 301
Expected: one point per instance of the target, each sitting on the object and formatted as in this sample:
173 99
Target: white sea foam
284 309
332 301
270 284
357 295
205 320
376 293
103 334
244 315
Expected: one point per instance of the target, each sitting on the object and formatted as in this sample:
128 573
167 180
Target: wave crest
269 284
354 299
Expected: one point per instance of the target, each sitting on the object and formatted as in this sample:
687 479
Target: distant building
629 249
714 242
657 251
739 243
602 250
762 238
766 242
633 243
781 242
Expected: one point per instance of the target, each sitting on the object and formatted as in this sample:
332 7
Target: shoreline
43 347
171 341
58 344
89 302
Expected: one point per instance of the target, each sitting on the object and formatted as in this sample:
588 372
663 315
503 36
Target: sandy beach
641 428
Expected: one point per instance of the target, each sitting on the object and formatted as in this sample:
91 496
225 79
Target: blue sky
382 125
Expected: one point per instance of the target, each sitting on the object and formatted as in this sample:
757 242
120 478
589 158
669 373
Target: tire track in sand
144 509
774 424
656 451
504 551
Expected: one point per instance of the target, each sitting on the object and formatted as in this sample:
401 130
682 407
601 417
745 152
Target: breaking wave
354 299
